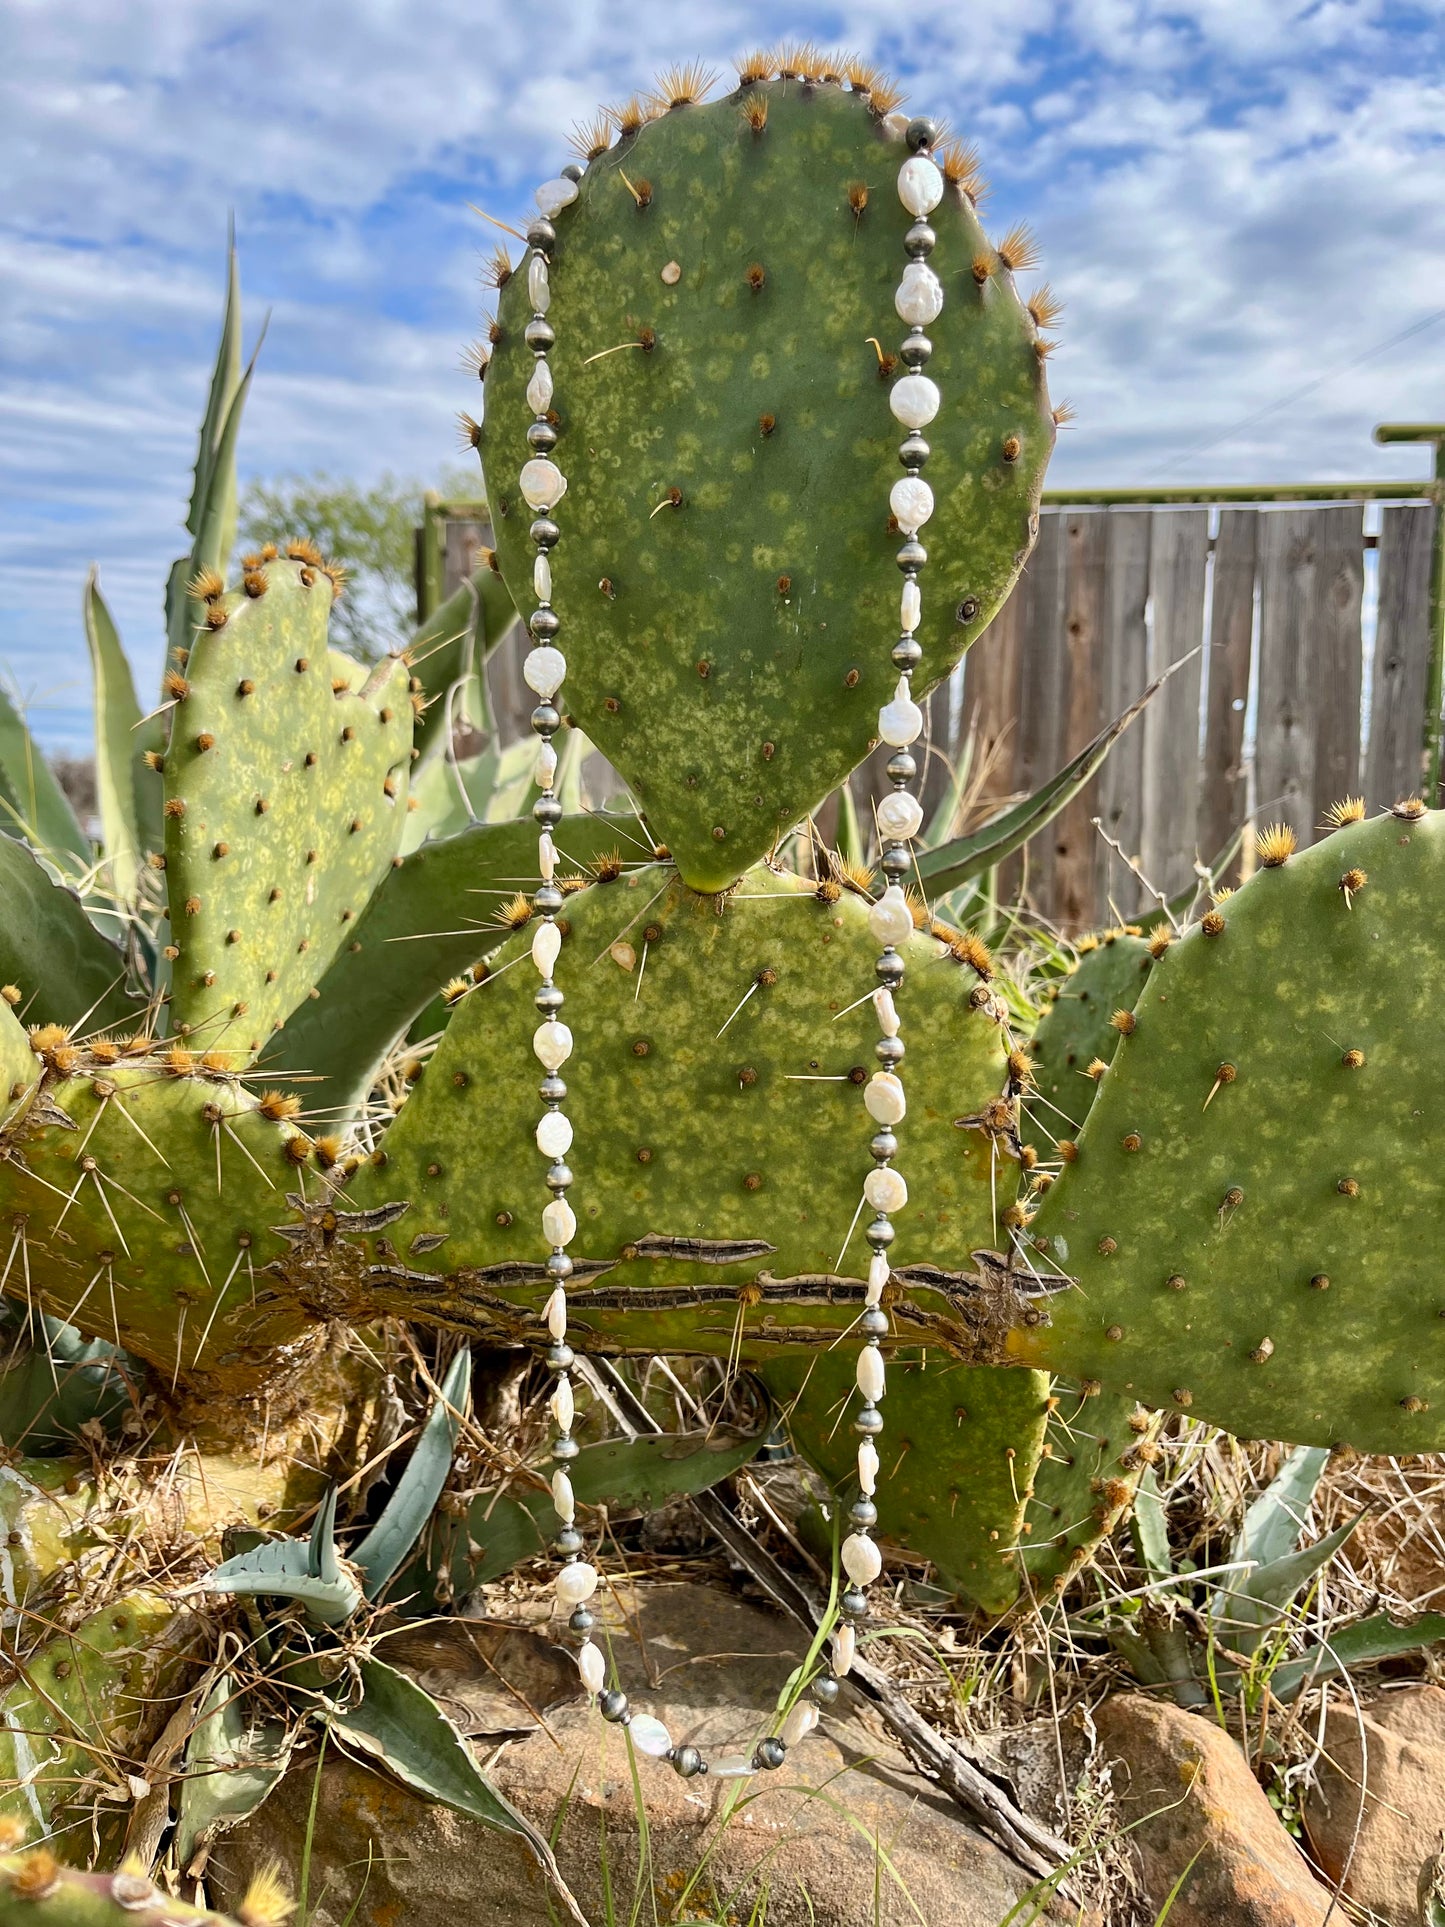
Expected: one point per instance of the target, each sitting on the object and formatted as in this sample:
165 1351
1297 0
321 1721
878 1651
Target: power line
1288 401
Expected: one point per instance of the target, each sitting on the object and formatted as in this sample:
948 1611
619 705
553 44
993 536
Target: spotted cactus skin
730 653
1264 1260
285 795
1095 1452
36 1892
718 1119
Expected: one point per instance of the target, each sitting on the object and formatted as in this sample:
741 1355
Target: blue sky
1234 198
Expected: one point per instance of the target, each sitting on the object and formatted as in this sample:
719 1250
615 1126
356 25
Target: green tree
369 530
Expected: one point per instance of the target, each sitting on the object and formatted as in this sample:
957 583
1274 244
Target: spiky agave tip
1275 845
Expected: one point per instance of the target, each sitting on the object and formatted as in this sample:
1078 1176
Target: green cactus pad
109 1685
728 647
1075 1030
135 1201
1263 1258
35 1892
286 782
1095 1452
721 1140
959 1451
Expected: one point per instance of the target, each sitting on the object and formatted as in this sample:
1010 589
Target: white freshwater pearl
885 1190
649 1736
544 670
542 579
920 184
543 483
890 920
564 1500
554 1135
552 1043
911 500
576 1583
800 1722
886 1011
539 289
914 399
544 770
561 1405
879 1272
871 1375
546 944
546 856
910 607
557 1314
919 296
868 1467
862 1561
559 1222
901 721
845 1651
540 389
899 815
732 1766
592 1666
553 196
884 1099
895 126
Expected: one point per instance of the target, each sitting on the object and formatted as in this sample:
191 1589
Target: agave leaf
397 1726
502 1529
1150 1529
455 638
849 837
123 782
1363 1644
1275 1522
1179 908
225 378
51 950
32 803
233 1761
215 512
1244 1613
966 857
419 1487
306 1570
53 1386
431 919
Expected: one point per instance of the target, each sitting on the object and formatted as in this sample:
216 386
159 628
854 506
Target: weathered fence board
1271 713
1397 693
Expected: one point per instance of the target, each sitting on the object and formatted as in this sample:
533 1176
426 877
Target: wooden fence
1306 666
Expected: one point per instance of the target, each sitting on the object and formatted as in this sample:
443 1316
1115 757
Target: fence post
1432 434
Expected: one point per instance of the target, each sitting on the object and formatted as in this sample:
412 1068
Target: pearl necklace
914 400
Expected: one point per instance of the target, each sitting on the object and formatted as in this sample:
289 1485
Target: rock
1189 1788
1401 1815
846 1835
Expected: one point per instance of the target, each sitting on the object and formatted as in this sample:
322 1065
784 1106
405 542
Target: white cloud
1233 198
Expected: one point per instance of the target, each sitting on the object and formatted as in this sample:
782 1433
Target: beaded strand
914 400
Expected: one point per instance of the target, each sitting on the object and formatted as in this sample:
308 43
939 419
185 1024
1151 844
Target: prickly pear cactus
721 286
719 1105
36 1891
1077 1034
1246 1217
276 837
1096 1450
960 1460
